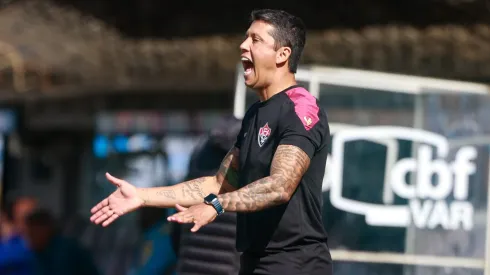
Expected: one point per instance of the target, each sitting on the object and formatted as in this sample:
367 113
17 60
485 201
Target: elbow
283 197
283 190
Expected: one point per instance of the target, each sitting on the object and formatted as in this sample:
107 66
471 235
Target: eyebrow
247 34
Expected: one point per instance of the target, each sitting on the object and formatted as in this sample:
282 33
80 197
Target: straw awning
57 50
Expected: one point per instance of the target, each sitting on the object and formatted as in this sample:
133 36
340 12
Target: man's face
258 55
22 208
38 236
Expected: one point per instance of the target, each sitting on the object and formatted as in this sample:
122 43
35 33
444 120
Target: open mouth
248 65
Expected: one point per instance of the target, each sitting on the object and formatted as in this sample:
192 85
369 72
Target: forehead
260 28
24 204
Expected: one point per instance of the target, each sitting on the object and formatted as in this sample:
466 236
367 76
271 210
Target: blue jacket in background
15 257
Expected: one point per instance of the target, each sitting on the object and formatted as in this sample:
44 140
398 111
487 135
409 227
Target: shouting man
273 175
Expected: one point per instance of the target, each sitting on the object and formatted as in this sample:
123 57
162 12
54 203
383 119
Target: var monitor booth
406 183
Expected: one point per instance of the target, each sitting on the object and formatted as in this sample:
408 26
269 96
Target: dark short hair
289 31
10 201
40 217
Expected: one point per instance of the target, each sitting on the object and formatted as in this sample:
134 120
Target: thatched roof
56 49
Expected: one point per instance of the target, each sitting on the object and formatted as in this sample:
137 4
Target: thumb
116 181
195 228
180 208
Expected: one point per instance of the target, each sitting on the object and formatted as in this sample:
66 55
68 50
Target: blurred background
150 91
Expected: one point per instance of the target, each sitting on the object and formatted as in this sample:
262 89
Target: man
54 254
272 176
23 206
15 256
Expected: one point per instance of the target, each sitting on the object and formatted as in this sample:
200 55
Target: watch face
210 198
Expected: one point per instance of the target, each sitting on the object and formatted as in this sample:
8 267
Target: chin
249 85
250 82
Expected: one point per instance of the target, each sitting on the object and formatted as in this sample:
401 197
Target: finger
178 214
110 220
96 216
176 217
196 227
100 205
116 181
171 218
106 212
182 217
103 217
180 208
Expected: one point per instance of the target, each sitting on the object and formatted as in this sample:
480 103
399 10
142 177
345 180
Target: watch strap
212 199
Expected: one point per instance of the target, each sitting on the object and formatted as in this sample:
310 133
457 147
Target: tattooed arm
193 192
288 166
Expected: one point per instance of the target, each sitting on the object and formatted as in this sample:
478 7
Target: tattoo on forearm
288 167
146 196
228 171
193 189
168 194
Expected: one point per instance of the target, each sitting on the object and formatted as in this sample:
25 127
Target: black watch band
212 199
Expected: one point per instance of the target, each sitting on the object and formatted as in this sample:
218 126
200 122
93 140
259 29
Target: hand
199 214
124 200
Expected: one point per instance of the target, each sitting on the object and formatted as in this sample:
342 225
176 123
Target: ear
283 55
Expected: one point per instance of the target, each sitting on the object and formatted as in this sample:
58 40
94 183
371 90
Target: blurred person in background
15 256
272 177
198 253
156 255
22 206
53 253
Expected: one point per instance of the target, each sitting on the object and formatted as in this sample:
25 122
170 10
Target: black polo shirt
291 117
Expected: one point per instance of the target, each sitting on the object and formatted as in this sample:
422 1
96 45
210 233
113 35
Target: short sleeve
301 123
293 133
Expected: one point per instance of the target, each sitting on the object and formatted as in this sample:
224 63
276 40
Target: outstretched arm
193 192
288 167
128 198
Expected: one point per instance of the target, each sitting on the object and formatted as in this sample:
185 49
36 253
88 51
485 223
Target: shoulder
302 106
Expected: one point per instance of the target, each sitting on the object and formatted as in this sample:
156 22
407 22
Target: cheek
265 61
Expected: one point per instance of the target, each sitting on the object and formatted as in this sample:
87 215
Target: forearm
186 193
261 194
287 169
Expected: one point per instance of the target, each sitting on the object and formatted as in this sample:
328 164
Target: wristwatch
212 199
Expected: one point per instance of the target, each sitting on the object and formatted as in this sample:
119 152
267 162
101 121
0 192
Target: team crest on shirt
264 133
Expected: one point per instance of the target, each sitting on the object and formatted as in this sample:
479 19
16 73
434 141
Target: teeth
246 59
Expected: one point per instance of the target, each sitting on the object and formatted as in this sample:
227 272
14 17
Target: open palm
124 200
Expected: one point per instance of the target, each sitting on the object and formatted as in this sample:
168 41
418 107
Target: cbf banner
434 184
419 190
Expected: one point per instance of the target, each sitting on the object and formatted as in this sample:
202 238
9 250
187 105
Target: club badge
264 133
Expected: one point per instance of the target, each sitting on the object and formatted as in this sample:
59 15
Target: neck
278 85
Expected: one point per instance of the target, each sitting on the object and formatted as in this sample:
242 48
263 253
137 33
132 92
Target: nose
245 45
